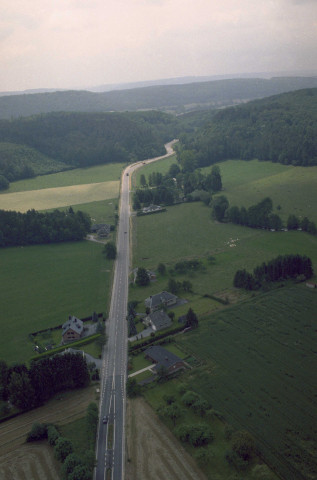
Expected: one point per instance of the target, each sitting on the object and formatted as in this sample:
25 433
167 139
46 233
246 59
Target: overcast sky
78 43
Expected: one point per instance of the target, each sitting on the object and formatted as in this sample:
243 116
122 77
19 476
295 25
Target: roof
159 298
160 320
98 226
73 323
162 357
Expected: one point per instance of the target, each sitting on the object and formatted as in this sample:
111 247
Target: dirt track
153 451
21 461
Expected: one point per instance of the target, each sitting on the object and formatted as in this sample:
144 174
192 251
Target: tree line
258 216
34 227
28 388
280 268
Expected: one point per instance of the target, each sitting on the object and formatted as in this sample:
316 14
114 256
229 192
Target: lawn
292 188
78 176
42 285
259 371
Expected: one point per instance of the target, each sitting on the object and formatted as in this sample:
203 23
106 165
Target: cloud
71 42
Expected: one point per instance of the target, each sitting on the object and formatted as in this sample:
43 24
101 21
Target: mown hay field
48 198
78 176
259 365
21 461
153 452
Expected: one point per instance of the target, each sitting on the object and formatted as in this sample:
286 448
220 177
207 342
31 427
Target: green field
162 166
42 285
292 188
259 371
187 231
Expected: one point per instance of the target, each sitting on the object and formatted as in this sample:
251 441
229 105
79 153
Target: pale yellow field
59 197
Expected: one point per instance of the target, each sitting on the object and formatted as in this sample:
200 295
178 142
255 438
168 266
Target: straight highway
110 447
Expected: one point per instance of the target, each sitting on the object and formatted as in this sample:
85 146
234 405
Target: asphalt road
111 435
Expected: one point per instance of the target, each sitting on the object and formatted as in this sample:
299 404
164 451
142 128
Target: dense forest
279 129
33 227
30 387
176 98
57 141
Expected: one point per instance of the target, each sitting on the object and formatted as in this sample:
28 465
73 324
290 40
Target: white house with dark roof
158 320
162 299
72 329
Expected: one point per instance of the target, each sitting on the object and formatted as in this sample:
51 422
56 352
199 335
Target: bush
63 448
52 435
189 398
71 462
38 432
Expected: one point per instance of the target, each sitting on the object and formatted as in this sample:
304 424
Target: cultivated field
78 176
21 461
48 198
153 453
259 364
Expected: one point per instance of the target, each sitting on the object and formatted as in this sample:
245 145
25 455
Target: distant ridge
170 98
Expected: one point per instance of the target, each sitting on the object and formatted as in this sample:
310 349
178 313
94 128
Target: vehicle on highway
105 419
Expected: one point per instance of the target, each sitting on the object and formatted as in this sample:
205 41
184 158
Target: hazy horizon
81 43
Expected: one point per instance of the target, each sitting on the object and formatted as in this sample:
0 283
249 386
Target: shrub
38 432
63 448
52 435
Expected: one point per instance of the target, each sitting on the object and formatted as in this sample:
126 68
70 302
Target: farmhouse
158 320
151 208
150 273
163 358
102 229
165 299
72 329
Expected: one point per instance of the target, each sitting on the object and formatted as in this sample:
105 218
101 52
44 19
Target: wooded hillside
280 129
63 140
176 98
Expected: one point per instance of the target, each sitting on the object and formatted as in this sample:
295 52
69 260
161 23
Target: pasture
292 188
42 285
48 198
259 364
188 231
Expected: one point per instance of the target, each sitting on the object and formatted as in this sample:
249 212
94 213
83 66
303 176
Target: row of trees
27 388
74 466
281 267
258 216
34 227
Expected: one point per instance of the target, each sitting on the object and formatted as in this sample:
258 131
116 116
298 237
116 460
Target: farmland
36 461
189 232
45 199
42 285
77 176
259 359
